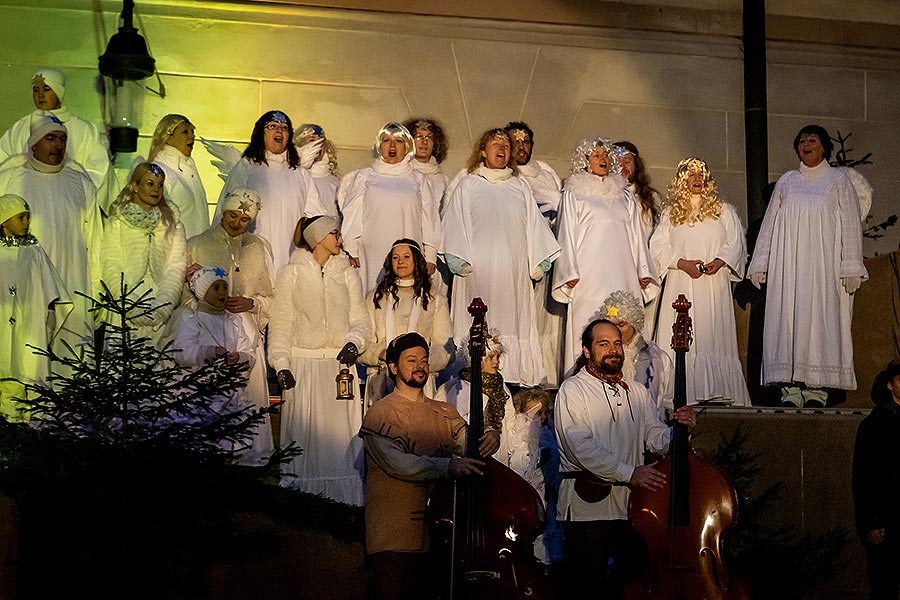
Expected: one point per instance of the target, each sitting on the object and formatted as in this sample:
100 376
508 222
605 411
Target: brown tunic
395 508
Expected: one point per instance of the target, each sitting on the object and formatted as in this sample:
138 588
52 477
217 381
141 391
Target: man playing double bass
410 441
603 426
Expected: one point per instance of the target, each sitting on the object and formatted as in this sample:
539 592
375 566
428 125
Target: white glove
851 284
309 152
757 279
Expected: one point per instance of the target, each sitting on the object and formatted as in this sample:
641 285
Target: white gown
184 189
436 179
65 217
712 365
381 204
496 228
810 238
602 247
286 195
326 184
315 312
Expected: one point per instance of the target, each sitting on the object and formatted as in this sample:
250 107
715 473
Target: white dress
326 185
247 259
810 238
495 227
184 189
602 247
66 218
381 204
315 312
28 285
150 255
545 185
286 195
436 179
390 321
712 364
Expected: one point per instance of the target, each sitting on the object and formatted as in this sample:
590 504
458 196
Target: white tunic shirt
604 429
495 227
810 238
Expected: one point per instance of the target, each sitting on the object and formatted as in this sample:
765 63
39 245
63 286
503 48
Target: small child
34 305
495 393
209 332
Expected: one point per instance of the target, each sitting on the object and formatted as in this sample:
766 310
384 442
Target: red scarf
613 379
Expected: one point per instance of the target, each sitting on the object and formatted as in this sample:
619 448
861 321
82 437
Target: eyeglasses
424 138
276 127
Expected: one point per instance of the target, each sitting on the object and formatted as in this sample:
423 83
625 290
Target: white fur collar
607 188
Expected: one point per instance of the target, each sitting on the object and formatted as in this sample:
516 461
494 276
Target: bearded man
603 425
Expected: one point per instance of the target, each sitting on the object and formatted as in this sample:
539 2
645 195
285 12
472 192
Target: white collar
396 170
494 175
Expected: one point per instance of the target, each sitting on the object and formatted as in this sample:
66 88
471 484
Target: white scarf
608 188
389 328
42 167
530 169
396 170
320 168
494 175
427 168
276 159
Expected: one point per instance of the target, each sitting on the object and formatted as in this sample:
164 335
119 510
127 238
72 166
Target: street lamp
124 66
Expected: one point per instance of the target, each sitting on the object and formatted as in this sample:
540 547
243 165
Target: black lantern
124 66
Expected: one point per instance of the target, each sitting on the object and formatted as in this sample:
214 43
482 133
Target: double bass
684 522
483 527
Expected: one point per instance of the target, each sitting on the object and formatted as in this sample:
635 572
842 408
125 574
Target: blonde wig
164 130
476 159
678 196
303 135
586 146
396 129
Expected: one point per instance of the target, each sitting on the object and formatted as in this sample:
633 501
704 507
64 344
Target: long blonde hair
678 196
130 190
164 130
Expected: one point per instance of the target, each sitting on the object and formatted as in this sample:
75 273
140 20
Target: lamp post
124 66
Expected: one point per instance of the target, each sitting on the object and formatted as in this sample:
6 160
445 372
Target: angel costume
287 195
436 179
247 259
150 254
390 321
713 367
316 310
29 284
602 247
326 185
381 204
66 218
184 189
809 240
497 241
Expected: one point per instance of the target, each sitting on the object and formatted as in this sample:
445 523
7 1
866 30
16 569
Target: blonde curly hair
678 195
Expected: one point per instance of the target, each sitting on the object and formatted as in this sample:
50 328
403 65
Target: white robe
28 285
148 260
66 219
316 310
247 258
605 434
713 370
496 228
86 145
602 247
381 204
810 238
286 195
184 189
436 179
326 185
545 185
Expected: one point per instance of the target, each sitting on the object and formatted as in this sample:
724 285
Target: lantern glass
124 104
344 382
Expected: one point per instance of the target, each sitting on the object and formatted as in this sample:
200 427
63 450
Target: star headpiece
520 135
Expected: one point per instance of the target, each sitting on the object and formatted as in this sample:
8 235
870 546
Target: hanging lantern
344 382
124 66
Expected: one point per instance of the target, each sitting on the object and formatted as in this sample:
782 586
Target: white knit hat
11 205
242 200
42 126
203 278
54 78
316 231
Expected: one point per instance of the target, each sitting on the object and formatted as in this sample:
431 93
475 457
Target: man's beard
610 364
413 382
